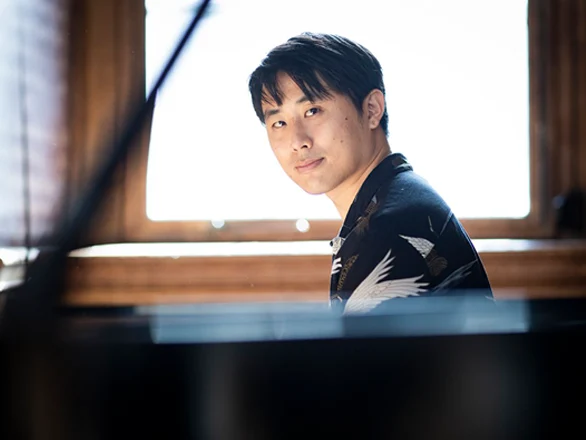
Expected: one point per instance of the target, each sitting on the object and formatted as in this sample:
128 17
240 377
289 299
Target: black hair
318 63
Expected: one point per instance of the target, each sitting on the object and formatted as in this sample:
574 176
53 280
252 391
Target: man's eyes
311 112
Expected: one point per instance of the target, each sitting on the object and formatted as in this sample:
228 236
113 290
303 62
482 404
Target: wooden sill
157 273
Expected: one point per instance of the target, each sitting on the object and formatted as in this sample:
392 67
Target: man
322 101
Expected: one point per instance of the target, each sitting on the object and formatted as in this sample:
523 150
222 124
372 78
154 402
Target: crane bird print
426 249
373 290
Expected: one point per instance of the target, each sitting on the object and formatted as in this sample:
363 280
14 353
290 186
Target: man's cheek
286 166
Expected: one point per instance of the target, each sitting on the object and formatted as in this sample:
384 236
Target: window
107 40
33 96
457 83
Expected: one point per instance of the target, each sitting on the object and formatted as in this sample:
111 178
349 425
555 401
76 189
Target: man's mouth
308 165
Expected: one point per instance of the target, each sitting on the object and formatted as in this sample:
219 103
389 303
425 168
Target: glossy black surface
432 369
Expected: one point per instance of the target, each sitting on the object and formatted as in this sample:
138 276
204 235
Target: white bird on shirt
423 246
372 291
336 265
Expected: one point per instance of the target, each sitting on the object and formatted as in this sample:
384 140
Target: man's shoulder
412 212
409 202
410 191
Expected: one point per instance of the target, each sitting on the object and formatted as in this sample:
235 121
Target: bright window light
456 73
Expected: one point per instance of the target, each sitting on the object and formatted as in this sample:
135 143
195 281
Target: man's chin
314 192
314 188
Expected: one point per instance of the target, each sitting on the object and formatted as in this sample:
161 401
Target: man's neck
344 195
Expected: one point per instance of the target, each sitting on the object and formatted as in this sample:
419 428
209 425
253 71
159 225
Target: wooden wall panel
562 41
106 78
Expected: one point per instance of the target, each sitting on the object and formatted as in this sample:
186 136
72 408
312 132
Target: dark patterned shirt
400 239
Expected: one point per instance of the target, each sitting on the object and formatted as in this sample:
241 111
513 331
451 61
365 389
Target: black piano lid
258 322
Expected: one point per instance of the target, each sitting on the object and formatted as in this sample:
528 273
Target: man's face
322 145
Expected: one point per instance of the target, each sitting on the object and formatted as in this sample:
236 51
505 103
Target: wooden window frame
108 71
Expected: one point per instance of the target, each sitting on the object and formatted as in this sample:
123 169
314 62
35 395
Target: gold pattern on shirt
347 265
435 263
363 221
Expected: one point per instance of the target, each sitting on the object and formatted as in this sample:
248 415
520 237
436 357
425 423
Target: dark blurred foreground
427 368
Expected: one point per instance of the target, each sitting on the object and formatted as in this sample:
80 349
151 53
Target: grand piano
428 368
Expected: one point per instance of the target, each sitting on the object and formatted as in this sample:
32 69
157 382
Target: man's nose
301 138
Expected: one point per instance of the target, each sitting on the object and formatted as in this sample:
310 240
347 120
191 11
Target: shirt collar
389 167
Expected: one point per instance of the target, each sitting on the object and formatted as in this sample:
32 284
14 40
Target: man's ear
374 107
